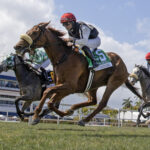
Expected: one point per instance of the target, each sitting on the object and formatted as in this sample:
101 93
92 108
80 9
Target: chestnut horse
71 72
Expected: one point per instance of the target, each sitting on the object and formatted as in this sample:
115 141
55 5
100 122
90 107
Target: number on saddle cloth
77 49
102 59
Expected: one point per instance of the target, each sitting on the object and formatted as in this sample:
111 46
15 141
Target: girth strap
62 59
90 79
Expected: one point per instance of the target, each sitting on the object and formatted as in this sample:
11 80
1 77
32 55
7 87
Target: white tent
130 115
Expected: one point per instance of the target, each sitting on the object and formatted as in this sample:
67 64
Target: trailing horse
141 74
71 72
31 82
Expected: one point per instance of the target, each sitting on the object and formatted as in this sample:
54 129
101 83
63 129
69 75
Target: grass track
21 136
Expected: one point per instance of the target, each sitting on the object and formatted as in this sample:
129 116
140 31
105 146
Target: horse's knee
50 105
103 104
46 93
94 102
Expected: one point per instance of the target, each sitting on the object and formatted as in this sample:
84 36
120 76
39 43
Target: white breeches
92 43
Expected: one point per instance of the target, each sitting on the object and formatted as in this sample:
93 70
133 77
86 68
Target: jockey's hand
31 52
70 44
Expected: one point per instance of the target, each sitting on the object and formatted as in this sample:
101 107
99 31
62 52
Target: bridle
135 76
17 64
32 43
29 40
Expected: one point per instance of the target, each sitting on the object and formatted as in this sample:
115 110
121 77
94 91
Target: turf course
21 136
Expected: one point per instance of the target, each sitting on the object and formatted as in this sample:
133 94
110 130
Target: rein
62 59
31 43
15 65
29 40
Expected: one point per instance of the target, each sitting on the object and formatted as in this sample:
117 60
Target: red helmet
67 17
147 57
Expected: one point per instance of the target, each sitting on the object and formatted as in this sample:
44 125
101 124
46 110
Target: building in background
9 91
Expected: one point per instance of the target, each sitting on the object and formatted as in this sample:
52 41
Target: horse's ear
136 65
43 25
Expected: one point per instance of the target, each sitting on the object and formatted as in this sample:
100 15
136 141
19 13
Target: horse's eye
34 33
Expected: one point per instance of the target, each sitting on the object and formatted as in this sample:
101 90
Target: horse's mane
59 35
144 70
29 67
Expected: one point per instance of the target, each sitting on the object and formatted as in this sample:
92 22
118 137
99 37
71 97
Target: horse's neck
21 73
56 50
145 83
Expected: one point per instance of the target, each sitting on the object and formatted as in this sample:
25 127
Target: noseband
29 40
133 75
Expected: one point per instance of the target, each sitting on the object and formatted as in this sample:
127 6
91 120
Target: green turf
21 136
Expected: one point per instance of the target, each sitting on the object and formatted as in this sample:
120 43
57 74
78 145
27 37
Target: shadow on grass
66 129
116 135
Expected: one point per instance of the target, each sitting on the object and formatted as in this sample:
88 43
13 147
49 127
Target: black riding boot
90 55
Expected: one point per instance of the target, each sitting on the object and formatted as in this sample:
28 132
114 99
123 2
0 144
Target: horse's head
11 62
136 74
34 38
7 63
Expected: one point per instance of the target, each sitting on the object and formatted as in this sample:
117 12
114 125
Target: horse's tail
133 89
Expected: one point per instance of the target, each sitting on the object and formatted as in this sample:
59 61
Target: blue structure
9 91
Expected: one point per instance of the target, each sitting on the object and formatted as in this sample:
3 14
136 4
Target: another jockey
82 34
147 57
40 61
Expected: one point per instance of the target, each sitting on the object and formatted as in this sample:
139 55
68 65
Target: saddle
47 76
101 58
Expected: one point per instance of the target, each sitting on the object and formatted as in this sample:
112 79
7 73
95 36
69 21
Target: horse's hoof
81 123
21 117
35 121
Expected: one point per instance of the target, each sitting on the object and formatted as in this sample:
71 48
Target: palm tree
127 103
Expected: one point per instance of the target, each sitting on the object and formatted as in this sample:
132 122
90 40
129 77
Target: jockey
40 61
82 34
38 56
147 57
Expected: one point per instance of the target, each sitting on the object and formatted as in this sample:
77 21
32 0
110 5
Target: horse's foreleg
54 99
25 106
17 108
47 111
62 90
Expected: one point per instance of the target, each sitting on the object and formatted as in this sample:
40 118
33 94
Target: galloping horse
30 82
141 74
71 71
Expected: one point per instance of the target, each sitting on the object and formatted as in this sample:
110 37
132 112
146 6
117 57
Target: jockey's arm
84 36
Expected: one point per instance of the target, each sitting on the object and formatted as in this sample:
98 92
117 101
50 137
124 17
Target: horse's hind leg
92 100
25 106
112 85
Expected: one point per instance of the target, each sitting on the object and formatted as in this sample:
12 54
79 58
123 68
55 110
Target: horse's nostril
17 47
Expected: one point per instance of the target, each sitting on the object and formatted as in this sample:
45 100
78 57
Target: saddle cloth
101 58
